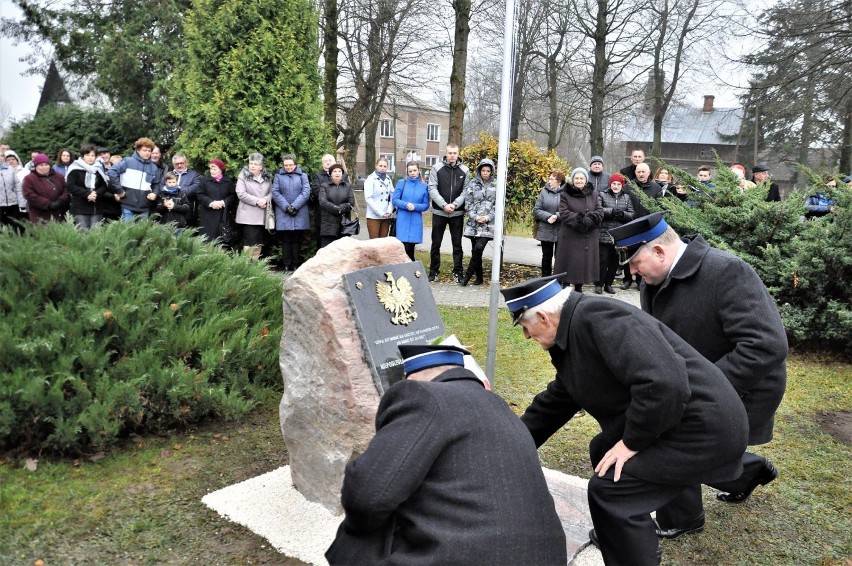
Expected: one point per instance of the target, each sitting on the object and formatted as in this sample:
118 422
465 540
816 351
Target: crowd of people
575 216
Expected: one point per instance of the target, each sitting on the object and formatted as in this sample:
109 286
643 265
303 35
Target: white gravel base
270 506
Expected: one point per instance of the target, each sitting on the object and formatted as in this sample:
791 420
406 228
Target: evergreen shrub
127 328
529 168
805 264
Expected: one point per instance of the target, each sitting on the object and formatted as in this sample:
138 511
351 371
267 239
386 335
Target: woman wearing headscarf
44 189
88 184
291 192
336 200
254 187
618 209
546 212
480 201
217 196
580 215
411 199
378 193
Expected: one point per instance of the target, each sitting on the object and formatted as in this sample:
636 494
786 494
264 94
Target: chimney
708 102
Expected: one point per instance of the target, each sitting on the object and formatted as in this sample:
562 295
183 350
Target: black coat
718 304
451 477
209 218
75 182
331 196
651 189
646 386
577 247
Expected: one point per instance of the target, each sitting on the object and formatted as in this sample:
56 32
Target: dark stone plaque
393 305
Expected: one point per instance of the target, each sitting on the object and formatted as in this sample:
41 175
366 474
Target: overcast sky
21 93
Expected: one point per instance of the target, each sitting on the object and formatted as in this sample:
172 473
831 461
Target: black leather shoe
598 290
609 289
695 526
626 285
433 277
466 280
478 281
766 475
593 538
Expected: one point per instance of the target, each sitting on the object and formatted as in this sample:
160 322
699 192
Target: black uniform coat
451 477
718 304
646 386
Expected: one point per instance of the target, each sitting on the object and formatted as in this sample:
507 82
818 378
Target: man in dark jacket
447 183
759 174
717 303
668 416
188 180
451 477
597 177
637 156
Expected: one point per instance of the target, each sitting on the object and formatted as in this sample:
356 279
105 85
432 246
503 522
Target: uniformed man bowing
717 303
668 417
451 477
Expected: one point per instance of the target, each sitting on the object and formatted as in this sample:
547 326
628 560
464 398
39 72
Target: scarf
381 176
218 178
91 172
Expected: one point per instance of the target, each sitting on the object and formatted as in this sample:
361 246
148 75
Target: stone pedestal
329 404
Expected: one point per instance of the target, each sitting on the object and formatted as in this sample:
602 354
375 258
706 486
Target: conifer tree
249 82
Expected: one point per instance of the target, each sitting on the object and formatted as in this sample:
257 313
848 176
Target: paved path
517 249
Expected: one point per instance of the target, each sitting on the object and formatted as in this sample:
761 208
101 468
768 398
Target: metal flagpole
502 166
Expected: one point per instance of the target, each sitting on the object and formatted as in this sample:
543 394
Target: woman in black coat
618 209
580 215
89 186
336 200
217 201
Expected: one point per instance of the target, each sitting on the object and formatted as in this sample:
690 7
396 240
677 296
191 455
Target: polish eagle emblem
397 297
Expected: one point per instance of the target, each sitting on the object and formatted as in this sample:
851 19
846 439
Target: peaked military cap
423 356
630 237
524 296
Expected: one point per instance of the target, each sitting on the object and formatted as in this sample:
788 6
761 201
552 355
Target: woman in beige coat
254 185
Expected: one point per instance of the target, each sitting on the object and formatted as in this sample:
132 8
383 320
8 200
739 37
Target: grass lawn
141 504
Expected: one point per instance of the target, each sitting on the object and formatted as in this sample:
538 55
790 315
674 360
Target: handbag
392 230
225 232
350 226
269 216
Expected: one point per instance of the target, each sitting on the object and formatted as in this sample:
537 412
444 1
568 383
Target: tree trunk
553 121
458 75
329 87
518 93
350 152
370 144
806 134
598 78
846 140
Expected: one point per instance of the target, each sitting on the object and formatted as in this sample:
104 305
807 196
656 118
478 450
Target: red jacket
40 192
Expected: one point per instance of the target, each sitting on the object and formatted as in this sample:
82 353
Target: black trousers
439 226
608 264
621 514
547 251
13 218
477 249
409 249
291 247
688 507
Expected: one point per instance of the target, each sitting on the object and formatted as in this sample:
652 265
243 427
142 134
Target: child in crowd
173 205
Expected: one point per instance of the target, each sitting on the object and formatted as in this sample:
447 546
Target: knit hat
40 158
617 177
596 159
580 170
335 166
219 163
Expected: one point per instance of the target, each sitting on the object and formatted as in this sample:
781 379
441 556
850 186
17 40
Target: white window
391 164
433 132
386 128
431 160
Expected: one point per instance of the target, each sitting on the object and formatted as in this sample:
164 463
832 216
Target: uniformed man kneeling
668 417
451 477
